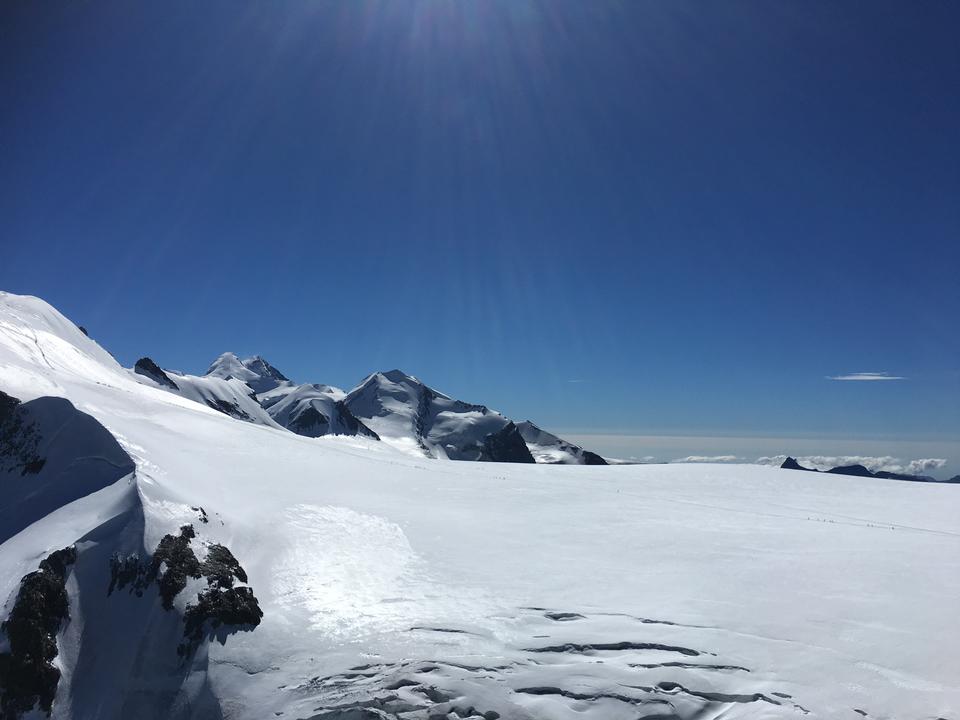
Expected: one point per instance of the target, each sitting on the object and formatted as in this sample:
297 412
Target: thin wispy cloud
866 376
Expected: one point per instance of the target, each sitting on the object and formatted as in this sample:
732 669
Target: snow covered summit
405 412
256 372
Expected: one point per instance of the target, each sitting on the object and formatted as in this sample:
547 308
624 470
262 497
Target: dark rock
82 329
352 424
221 603
179 563
127 571
310 423
792 464
954 479
237 607
148 368
27 674
577 648
861 471
886 475
19 438
172 564
8 406
591 458
228 408
855 470
221 567
58 561
506 445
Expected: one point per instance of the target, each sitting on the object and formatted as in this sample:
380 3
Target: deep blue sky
695 211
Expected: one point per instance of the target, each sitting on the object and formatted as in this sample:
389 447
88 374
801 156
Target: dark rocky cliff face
590 458
148 368
28 676
19 437
507 445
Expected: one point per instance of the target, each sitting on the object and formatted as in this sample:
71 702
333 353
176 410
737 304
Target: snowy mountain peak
260 375
264 369
399 376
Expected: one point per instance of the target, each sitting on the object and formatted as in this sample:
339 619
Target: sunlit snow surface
419 588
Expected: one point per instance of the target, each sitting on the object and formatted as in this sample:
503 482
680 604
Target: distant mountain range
861 471
393 407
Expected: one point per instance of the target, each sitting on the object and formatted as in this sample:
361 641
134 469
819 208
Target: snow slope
393 586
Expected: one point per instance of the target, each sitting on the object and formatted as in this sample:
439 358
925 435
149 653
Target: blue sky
629 218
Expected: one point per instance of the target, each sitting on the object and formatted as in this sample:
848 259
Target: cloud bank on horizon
865 377
920 466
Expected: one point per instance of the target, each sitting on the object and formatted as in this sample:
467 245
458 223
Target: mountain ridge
392 406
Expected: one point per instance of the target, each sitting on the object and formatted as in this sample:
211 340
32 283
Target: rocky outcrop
28 676
591 458
855 470
351 423
886 475
506 445
791 464
148 368
173 564
221 603
19 437
228 408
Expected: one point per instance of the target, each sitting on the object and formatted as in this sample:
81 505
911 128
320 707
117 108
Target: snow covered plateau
162 557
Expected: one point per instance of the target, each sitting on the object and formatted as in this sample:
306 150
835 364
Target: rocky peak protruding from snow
148 368
792 464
